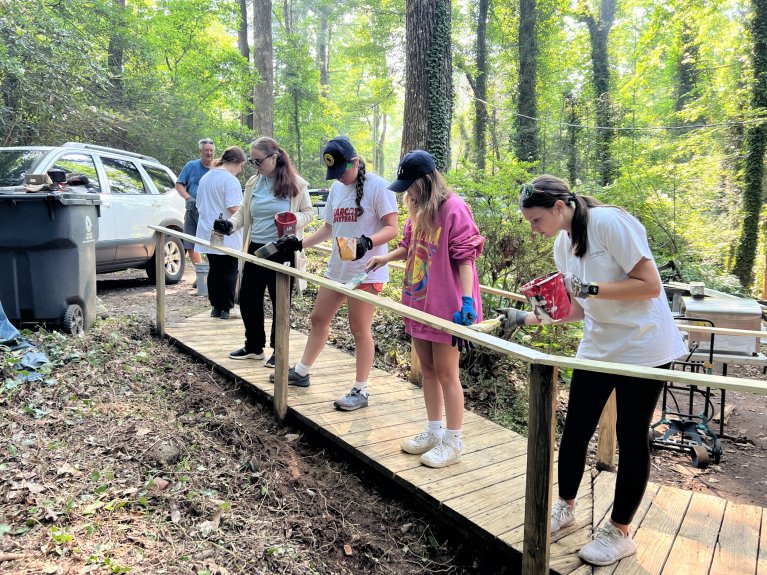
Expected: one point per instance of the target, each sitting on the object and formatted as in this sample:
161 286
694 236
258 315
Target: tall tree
599 31
526 120
756 143
246 118
429 86
263 91
480 99
116 55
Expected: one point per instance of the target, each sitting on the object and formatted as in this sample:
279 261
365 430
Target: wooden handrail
543 385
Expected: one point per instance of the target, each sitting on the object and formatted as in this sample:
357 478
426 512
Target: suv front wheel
174 262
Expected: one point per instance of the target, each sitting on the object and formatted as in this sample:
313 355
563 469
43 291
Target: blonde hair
425 197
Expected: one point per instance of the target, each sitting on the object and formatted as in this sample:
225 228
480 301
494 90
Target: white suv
135 190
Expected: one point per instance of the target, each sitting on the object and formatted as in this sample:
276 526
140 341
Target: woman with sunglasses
219 192
274 189
616 290
362 212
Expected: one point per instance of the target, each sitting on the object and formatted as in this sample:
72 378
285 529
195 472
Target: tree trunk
480 106
263 92
116 56
756 143
429 88
599 31
573 121
322 51
246 117
527 126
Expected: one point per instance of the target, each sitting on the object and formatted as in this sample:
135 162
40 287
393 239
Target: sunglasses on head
526 190
205 141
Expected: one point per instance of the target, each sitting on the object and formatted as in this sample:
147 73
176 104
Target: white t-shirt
218 190
341 214
633 332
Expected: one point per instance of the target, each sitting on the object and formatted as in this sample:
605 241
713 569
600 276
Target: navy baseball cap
336 154
413 165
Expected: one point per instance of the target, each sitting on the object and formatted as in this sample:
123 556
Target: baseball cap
336 154
413 165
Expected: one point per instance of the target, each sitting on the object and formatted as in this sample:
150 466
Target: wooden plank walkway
676 531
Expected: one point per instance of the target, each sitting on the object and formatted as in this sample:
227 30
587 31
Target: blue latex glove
468 313
457 341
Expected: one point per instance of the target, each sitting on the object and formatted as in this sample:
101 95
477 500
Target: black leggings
636 399
257 280
222 281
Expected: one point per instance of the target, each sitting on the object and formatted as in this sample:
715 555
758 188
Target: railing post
281 321
540 463
607 436
159 272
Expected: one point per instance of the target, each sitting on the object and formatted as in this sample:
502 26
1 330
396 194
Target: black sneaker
215 312
294 378
243 353
224 314
270 362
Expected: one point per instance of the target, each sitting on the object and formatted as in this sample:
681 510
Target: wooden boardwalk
676 531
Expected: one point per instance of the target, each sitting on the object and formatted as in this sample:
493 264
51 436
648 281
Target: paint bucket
286 223
202 278
548 296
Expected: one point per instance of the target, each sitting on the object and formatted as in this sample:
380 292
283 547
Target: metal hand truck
687 431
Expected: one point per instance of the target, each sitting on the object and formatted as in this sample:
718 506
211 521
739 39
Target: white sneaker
561 515
421 443
442 455
609 546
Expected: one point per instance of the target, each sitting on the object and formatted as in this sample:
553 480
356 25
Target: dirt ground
133 458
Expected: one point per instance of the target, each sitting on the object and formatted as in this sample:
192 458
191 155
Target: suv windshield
14 164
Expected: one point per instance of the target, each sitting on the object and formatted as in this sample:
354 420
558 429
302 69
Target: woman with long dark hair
274 189
615 288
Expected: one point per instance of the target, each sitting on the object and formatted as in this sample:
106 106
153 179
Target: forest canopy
654 106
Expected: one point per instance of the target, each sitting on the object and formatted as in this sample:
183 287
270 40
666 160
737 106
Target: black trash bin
48 258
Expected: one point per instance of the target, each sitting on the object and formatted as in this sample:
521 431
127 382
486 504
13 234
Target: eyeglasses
526 190
258 161
205 141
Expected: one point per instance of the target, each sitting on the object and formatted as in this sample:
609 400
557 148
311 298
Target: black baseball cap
336 154
413 165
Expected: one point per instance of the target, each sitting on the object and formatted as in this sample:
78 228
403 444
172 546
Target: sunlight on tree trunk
263 92
429 88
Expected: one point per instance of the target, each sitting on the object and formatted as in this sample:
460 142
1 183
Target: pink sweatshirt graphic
431 282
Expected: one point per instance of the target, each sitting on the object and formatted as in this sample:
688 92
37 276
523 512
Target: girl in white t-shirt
361 207
603 253
219 194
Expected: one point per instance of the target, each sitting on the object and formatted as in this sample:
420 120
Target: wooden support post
281 321
540 464
416 375
159 272
607 436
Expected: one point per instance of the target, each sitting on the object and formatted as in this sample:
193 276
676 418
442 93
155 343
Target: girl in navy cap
361 215
441 244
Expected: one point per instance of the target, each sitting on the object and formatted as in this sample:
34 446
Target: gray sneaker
609 546
294 378
561 515
352 400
